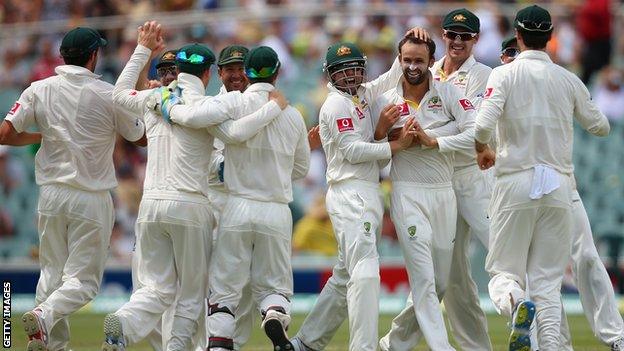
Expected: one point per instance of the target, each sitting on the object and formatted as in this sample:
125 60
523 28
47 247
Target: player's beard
415 75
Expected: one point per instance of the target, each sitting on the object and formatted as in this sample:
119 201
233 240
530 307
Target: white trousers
593 283
355 209
244 314
466 318
253 247
530 239
425 217
74 235
174 240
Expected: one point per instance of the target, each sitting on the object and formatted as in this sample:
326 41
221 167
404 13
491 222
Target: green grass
87 334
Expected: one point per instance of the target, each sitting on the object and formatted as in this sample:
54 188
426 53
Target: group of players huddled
214 223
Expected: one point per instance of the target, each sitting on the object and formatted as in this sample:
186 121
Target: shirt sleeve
124 93
385 81
302 152
587 113
349 142
491 108
463 111
208 111
239 130
22 114
128 124
476 87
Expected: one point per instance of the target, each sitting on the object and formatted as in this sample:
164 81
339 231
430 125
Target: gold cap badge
343 50
459 18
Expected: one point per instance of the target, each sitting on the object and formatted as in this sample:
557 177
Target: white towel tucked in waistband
545 181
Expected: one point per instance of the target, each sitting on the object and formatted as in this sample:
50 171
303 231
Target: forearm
9 136
124 92
459 142
358 152
480 147
206 113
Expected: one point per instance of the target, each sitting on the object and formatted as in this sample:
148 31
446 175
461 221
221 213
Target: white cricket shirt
532 102
78 121
470 78
347 128
444 112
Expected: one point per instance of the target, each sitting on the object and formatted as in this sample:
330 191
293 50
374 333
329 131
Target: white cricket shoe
113 334
274 325
618 345
35 328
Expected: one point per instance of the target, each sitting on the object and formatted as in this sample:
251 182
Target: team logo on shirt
359 112
434 103
461 78
411 231
367 227
344 124
466 104
15 107
488 92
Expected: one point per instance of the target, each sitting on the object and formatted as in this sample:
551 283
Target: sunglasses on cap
264 72
163 71
511 52
535 26
463 36
195 59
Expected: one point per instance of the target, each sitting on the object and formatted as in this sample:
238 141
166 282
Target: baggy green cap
232 54
167 58
194 58
509 41
261 62
343 52
533 19
80 41
462 18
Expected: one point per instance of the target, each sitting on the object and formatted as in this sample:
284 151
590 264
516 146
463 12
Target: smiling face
459 43
233 76
415 60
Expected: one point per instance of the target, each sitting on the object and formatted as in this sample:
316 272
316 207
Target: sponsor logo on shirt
434 103
133 93
466 104
344 124
403 109
359 112
488 92
15 107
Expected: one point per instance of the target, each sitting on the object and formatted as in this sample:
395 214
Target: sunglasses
463 36
511 52
265 72
195 59
163 71
535 26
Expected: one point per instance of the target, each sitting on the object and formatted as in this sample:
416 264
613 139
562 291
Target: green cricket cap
261 62
462 18
167 58
80 41
194 58
343 52
232 54
509 41
533 19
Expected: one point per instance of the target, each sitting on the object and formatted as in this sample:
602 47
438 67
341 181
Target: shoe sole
519 339
32 328
112 331
274 330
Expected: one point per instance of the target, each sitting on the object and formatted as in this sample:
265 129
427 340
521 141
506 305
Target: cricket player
532 103
175 222
252 247
78 125
423 201
472 189
590 275
353 200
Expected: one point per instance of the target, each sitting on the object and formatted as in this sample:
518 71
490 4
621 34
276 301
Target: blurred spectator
609 93
594 27
6 185
313 234
47 62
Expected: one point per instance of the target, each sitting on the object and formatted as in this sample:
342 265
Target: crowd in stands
583 42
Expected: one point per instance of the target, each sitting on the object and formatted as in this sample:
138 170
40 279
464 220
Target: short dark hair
411 38
534 40
71 57
196 70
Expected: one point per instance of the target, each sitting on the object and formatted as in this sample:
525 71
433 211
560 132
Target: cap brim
231 60
460 25
165 63
103 42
